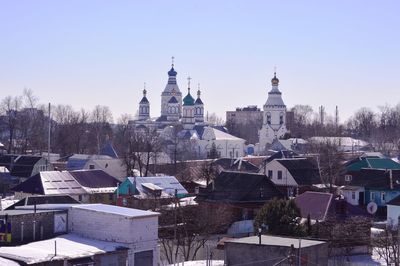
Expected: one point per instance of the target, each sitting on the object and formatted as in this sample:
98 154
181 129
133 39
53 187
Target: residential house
242 193
87 186
360 163
146 192
293 175
372 185
112 166
24 166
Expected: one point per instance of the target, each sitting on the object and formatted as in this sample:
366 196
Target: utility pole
299 259
48 139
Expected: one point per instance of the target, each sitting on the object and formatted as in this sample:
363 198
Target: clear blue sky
84 53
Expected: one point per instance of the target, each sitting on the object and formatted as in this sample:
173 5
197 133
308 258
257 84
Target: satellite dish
372 207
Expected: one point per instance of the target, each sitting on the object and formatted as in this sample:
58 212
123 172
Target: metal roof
276 241
128 212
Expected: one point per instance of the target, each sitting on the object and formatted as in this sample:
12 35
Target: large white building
195 135
274 117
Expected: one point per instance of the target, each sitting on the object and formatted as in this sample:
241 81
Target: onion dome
275 80
188 100
172 72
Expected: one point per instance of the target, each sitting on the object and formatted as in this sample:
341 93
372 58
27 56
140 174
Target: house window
230 154
281 119
268 118
237 154
110 197
91 166
124 202
383 197
80 197
279 174
353 195
347 178
372 196
270 174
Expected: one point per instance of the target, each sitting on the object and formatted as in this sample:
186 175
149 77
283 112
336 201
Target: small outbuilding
275 250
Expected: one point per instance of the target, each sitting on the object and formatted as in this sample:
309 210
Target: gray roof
167 183
268 240
274 99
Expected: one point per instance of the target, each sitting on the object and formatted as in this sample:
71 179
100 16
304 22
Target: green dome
188 100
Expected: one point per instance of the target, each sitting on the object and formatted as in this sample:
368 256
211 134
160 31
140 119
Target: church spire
199 107
144 106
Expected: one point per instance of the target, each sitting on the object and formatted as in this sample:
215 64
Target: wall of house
139 233
286 180
268 255
352 196
393 214
41 165
376 195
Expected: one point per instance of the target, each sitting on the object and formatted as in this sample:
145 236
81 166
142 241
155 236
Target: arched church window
269 118
281 118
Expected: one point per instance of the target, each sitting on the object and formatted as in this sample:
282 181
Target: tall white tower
274 120
171 90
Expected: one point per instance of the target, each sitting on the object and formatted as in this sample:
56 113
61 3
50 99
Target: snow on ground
199 263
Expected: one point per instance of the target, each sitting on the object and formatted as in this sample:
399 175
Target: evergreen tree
282 217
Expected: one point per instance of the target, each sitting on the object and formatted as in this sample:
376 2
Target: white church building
274 118
187 114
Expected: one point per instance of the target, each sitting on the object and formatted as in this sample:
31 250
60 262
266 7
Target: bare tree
100 119
330 161
386 245
185 230
10 107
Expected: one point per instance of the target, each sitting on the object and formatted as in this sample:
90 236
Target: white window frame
372 196
347 178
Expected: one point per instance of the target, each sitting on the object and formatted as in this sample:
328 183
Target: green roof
373 163
188 100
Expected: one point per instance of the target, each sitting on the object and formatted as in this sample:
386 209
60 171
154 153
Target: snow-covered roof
69 246
167 183
341 141
127 212
220 135
203 263
6 262
7 202
274 98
